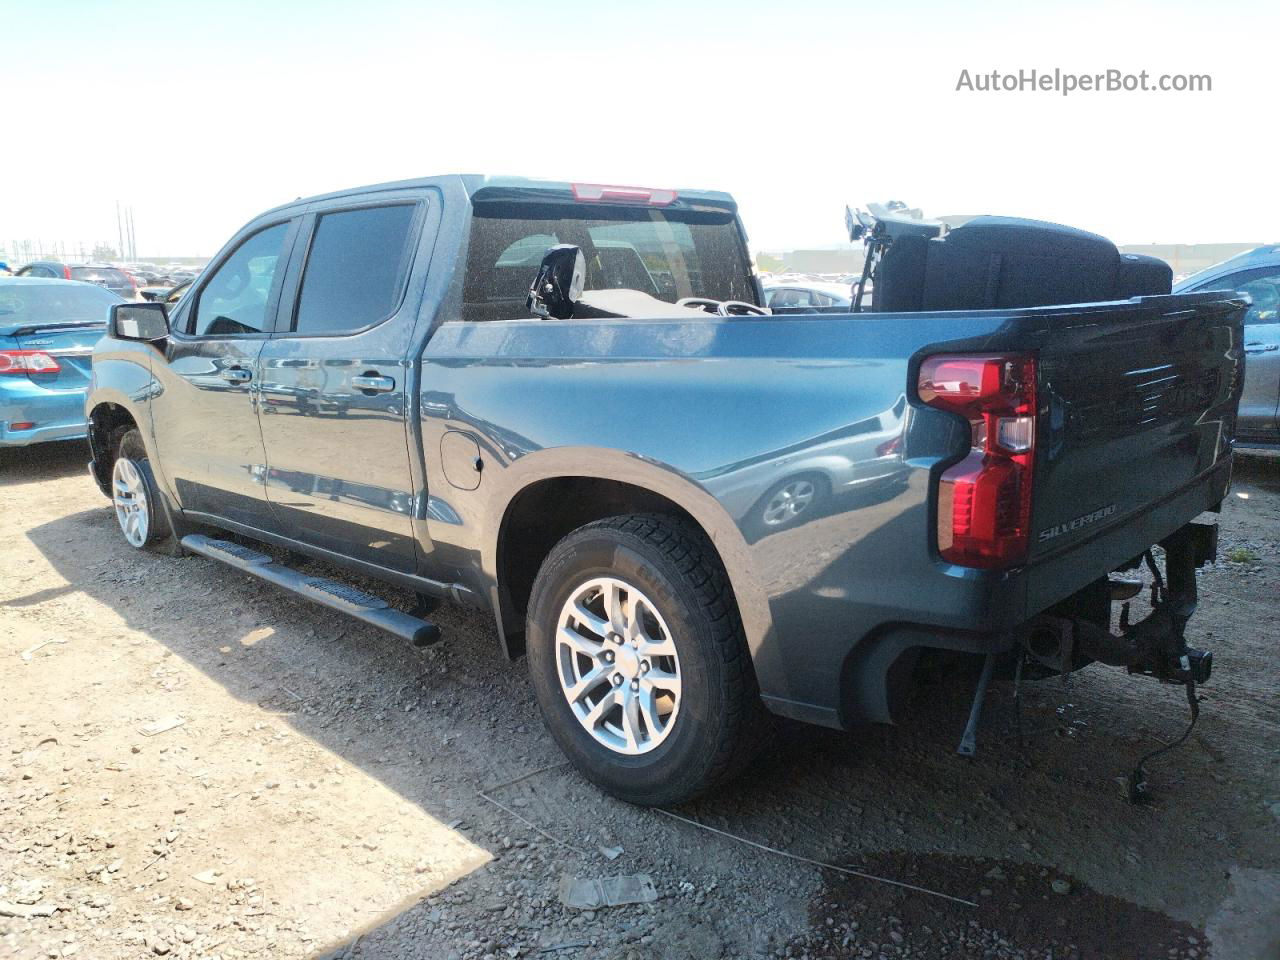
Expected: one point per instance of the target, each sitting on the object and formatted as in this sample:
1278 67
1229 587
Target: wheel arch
556 492
105 418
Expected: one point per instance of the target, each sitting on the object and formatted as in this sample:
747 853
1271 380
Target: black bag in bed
994 262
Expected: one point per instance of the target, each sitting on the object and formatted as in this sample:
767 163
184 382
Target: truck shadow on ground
438 725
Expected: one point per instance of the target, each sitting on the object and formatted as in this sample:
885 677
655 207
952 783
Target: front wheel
134 496
638 660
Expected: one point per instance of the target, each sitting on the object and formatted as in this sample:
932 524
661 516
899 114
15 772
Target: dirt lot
318 793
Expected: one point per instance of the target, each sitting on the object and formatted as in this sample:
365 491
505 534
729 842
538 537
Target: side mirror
139 321
559 282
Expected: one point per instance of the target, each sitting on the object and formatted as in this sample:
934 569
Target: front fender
121 382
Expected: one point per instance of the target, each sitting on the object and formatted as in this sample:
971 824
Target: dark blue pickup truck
566 404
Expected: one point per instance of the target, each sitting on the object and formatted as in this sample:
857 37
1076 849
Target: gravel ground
316 791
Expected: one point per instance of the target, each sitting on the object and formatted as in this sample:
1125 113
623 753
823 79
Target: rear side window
356 269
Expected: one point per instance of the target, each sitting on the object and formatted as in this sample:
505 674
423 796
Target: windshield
665 254
54 303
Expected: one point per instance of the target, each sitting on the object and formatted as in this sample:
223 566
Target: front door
1260 403
204 415
333 380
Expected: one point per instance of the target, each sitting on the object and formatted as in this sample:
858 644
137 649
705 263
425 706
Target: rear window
53 303
107 275
667 254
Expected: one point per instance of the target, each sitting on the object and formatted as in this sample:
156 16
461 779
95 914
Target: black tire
712 737
127 443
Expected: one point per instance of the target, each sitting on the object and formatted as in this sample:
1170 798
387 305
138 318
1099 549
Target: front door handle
237 375
1259 347
374 384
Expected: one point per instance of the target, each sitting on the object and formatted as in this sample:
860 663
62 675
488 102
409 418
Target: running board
329 593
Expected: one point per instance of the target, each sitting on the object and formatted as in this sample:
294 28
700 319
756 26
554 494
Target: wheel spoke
580 644
590 620
613 607
662 647
588 682
599 709
662 680
649 710
631 719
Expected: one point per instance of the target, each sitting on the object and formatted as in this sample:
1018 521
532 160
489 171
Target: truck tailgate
1134 407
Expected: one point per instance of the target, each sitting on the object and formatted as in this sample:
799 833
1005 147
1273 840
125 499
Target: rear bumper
877 667
56 414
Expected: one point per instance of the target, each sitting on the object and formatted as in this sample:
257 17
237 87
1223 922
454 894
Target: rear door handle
1258 347
237 375
376 384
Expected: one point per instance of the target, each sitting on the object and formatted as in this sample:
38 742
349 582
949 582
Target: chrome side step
330 593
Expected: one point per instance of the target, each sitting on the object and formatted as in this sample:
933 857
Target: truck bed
1137 402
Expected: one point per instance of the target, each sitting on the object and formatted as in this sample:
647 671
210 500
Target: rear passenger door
333 381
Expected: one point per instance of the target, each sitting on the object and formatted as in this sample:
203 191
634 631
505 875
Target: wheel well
542 515
104 421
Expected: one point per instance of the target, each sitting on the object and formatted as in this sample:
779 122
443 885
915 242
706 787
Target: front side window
235 299
355 271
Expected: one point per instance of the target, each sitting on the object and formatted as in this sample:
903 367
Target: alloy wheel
617 666
130 498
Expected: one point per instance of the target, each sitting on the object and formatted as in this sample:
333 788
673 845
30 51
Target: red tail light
601 193
66 271
27 361
890 447
984 501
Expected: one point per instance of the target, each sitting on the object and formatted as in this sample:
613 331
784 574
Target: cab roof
487 187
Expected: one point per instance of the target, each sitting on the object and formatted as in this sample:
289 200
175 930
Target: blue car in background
47 332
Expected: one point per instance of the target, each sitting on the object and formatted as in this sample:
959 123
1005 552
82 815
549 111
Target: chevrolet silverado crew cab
565 404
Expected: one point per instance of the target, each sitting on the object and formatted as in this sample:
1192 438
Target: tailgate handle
373 384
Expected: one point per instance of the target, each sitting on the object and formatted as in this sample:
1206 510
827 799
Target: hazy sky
202 114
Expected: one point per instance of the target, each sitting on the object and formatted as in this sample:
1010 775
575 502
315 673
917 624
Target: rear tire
665 692
140 511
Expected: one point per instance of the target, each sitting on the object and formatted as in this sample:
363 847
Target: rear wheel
638 659
138 508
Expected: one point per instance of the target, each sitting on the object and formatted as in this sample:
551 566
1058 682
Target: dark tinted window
665 253
235 298
356 268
